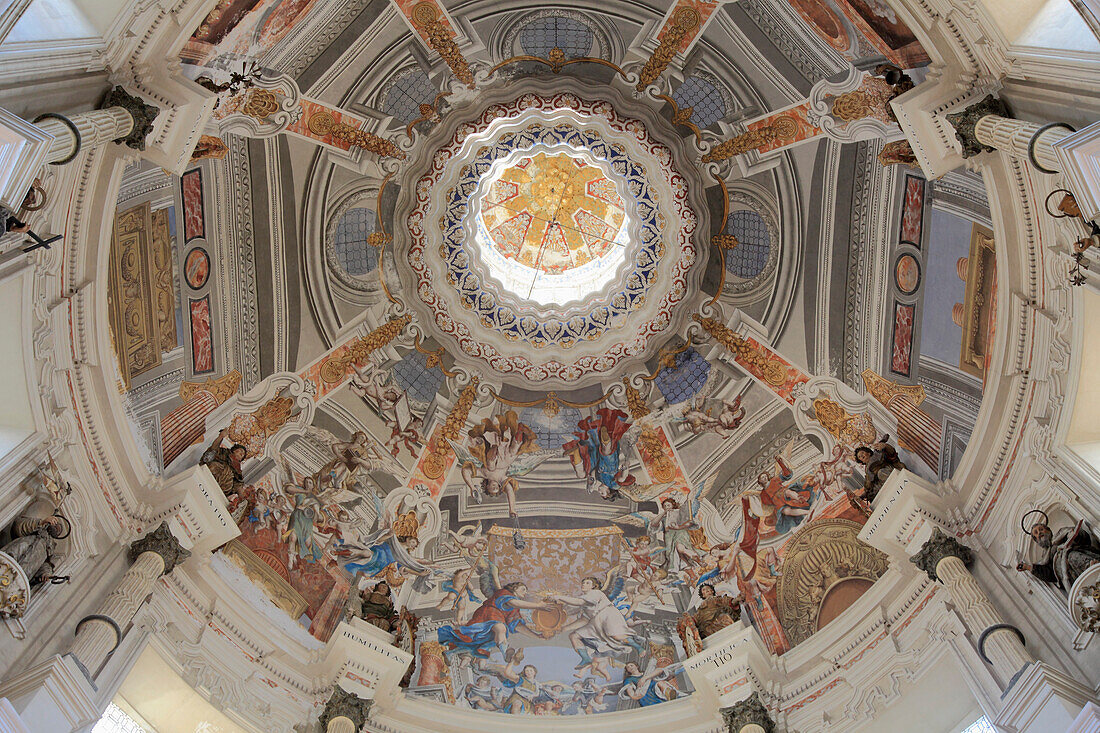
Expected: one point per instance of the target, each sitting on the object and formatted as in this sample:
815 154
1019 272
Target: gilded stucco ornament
937 548
683 22
750 711
15 588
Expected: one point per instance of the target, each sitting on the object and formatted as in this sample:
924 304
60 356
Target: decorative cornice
749 711
164 543
143 115
344 704
936 549
964 123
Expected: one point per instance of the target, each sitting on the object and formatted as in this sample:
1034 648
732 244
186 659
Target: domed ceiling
547 319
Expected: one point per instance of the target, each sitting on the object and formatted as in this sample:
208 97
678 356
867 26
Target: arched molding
748 195
729 103
503 41
366 288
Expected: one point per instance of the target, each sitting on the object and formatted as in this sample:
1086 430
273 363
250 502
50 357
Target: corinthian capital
937 548
164 543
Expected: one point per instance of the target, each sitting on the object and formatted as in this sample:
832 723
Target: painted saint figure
526 692
500 450
596 454
790 502
1063 555
480 695
675 522
651 687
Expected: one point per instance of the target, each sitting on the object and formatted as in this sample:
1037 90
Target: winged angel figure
671 526
389 549
501 449
603 623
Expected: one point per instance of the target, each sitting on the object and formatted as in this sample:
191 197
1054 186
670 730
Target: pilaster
1079 154
735 666
53 696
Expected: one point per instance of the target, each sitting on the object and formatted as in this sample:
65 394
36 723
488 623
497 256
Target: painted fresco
552 568
243 28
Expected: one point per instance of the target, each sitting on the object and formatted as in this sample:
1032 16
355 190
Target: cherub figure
472 547
392 404
697 419
596 452
601 665
361 453
501 449
640 566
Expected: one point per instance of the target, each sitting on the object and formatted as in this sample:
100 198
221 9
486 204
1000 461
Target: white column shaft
1014 137
1002 647
96 638
341 725
96 128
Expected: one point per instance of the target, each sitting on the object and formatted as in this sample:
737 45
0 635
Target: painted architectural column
185 425
917 431
987 126
122 118
154 555
748 716
345 712
945 560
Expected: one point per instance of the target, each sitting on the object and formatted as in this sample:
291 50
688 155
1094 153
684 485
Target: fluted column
98 635
345 712
748 716
122 118
987 126
945 560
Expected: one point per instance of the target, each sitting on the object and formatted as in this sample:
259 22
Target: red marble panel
202 338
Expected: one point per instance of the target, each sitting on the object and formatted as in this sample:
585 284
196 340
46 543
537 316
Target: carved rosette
15 589
164 543
1084 600
964 123
143 114
936 549
344 704
750 711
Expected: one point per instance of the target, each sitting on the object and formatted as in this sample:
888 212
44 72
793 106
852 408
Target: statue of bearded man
1064 555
